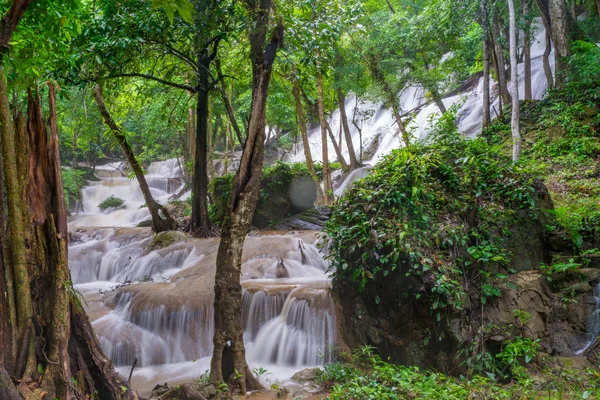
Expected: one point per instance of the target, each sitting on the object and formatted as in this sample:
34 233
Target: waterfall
379 132
156 305
593 323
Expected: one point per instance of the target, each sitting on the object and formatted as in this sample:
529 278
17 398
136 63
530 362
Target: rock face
404 330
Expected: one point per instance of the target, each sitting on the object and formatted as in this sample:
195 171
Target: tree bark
527 49
336 147
500 61
228 107
327 184
302 126
514 82
344 118
242 204
546 62
561 39
486 82
67 351
159 223
200 224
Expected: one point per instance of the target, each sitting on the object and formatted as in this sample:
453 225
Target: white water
593 323
163 317
377 123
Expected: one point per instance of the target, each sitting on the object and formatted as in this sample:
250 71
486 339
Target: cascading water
378 131
593 323
152 301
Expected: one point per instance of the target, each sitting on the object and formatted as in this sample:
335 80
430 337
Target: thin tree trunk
561 40
228 107
336 147
200 224
328 186
573 10
242 204
500 61
514 82
546 62
159 223
486 82
344 119
302 126
527 49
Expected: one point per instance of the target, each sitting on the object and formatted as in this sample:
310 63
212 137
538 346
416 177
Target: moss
111 202
166 239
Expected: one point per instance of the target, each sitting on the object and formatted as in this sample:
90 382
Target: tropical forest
299 199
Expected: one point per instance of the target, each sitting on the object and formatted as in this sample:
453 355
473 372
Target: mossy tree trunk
500 60
48 346
160 222
301 117
242 204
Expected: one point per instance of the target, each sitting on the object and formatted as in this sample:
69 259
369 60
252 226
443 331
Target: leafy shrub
436 211
111 202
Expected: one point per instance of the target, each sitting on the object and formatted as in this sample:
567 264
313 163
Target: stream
151 299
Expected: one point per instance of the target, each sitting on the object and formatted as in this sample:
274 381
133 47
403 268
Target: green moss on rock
111 202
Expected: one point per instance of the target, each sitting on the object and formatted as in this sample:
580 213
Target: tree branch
154 78
9 23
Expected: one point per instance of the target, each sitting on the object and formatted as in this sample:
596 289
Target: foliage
111 202
274 186
367 376
439 211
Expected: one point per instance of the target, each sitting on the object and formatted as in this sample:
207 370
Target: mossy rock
285 190
166 239
111 202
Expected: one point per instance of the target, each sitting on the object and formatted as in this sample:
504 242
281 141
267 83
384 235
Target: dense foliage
440 210
366 376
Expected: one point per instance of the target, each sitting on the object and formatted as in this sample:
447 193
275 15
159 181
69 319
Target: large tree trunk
514 81
53 351
302 126
527 48
561 39
242 204
500 61
200 224
160 222
327 184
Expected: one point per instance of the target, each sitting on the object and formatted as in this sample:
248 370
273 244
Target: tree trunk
42 304
561 40
228 107
302 126
500 62
200 224
336 147
527 49
242 204
486 82
327 185
573 10
546 62
159 223
344 118
514 82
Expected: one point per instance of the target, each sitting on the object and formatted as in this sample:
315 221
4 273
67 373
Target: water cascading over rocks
151 297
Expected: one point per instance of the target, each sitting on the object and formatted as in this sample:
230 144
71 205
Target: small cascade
164 179
378 131
593 323
303 333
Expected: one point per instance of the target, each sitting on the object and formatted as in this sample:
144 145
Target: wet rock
312 219
187 391
307 375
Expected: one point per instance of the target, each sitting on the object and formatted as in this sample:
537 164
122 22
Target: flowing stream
150 298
